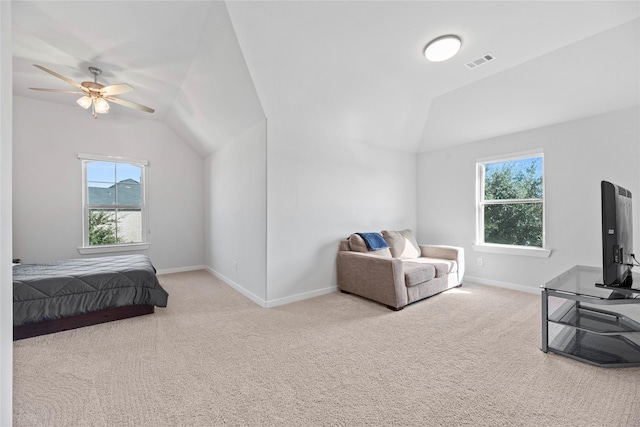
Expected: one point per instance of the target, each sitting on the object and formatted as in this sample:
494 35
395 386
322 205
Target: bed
69 294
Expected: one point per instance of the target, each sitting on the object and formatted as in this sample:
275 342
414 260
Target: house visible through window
511 201
114 202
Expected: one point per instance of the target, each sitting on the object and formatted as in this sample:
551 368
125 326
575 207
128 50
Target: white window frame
120 247
480 245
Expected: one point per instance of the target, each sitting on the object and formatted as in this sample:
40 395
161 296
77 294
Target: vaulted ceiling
347 70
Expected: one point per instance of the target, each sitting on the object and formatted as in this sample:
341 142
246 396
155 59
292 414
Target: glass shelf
602 350
592 320
575 325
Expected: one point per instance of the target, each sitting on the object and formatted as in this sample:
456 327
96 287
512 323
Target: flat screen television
617 236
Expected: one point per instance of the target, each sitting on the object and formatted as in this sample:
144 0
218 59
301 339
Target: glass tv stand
593 324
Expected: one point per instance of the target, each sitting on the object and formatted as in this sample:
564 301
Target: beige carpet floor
468 357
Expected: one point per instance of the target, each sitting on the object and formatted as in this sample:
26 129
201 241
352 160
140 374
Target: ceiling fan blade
130 104
53 73
57 90
116 89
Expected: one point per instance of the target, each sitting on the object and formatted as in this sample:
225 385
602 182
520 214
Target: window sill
113 248
512 250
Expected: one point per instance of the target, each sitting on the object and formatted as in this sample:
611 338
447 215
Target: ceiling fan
94 94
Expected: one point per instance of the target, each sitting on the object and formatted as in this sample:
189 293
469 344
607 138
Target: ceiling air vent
480 61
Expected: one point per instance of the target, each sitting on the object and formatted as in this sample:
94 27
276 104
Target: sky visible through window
519 165
106 174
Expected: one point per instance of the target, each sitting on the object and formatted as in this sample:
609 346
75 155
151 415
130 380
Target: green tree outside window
512 202
102 228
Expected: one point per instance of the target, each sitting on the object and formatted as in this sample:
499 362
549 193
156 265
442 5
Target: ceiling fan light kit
96 95
101 106
85 102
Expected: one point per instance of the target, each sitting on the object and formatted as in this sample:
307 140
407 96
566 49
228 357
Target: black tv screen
617 235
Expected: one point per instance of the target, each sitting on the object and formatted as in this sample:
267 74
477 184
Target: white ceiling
147 45
347 70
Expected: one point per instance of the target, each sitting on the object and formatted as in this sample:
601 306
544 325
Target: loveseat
399 274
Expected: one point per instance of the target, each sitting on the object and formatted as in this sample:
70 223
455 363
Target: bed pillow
403 244
357 244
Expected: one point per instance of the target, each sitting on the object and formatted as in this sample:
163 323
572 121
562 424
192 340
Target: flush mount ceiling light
442 48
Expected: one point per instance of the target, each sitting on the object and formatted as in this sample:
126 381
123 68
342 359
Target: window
511 201
114 214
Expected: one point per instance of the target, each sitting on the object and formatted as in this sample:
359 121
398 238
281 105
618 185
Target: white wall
217 100
227 126
236 212
320 190
577 156
278 202
47 185
6 289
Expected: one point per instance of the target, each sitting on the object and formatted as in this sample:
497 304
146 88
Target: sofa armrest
374 277
455 253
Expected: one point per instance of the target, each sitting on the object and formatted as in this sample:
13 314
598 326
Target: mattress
68 288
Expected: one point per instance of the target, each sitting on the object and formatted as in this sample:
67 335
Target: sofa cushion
344 245
442 266
403 244
357 244
416 273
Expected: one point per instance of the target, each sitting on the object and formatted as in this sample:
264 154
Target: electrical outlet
480 262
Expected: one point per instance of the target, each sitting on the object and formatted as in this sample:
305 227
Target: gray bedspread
76 286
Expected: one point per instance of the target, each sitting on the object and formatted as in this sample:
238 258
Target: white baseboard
506 285
253 297
271 303
300 297
180 269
